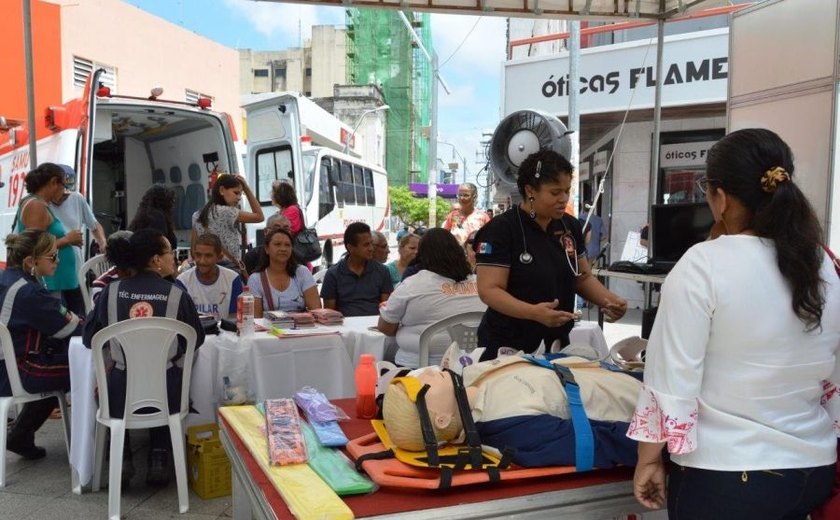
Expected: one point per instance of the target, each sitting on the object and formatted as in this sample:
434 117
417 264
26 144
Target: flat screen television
675 228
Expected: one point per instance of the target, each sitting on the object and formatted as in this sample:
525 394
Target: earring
532 213
33 271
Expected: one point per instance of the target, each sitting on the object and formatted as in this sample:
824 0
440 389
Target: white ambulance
119 146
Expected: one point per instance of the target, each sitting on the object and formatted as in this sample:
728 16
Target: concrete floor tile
166 500
64 509
153 514
14 507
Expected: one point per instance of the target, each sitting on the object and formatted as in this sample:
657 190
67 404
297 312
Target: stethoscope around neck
525 258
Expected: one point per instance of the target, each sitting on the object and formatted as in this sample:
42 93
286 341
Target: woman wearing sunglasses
40 327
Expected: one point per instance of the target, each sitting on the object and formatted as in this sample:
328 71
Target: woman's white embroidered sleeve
667 407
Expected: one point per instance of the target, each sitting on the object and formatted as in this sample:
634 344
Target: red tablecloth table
595 494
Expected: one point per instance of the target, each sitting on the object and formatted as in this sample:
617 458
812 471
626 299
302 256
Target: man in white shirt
213 288
74 212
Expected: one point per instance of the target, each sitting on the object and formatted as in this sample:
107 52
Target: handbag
307 245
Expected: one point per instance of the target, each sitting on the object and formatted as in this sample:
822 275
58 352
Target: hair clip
539 168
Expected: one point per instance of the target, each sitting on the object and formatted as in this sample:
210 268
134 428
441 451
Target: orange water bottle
366 387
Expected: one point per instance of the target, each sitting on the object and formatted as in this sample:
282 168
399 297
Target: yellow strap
411 384
307 496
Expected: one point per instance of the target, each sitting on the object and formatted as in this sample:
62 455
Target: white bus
335 189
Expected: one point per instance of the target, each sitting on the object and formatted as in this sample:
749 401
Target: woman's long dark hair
737 164
440 253
264 260
222 181
158 199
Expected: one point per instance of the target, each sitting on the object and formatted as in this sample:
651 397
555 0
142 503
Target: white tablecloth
278 368
589 333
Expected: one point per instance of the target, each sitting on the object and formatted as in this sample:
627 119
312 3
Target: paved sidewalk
41 489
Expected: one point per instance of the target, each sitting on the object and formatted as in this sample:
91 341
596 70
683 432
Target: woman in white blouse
445 286
282 283
743 351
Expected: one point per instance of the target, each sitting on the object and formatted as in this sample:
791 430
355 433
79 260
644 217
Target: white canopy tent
570 9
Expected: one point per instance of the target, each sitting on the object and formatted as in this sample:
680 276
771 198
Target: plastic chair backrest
11 368
319 275
145 343
466 321
98 265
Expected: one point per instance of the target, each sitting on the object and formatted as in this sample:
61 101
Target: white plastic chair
99 265
21 396
319 275
145 343
462 328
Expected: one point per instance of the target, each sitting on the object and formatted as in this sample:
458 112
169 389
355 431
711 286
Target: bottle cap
367 358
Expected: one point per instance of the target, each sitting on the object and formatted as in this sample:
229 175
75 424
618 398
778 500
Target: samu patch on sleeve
484 248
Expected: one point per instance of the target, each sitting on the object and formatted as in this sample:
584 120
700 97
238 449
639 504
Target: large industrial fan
519 135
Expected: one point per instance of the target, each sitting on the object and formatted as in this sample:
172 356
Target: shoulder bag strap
834 259
267 298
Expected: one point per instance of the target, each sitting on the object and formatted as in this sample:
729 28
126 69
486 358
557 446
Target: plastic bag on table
233 375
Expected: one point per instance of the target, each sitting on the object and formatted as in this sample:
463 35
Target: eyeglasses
52 258
704 183
170 251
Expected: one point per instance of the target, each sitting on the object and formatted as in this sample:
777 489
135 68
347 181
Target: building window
83 68
191 96
308 72
280 73
260 73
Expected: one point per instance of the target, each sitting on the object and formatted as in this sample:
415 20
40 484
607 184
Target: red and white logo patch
141 310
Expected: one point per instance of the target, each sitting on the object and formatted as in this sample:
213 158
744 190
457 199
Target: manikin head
402 419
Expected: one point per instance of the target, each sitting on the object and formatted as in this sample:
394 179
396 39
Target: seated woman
146 294
282 283
407 248
40 327
443 287
118 252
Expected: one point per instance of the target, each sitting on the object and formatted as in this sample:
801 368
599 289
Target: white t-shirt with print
218 298
290 300
423 299
221 221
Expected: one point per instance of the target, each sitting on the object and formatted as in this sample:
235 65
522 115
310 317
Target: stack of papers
279 319
303 320
328 317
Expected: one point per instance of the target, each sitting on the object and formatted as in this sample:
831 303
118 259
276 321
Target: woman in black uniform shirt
531 261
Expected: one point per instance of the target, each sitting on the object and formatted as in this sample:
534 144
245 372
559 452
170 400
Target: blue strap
584 438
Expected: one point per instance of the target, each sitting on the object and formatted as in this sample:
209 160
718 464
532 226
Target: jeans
781 494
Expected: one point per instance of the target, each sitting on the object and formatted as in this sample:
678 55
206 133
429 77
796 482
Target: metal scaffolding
380 51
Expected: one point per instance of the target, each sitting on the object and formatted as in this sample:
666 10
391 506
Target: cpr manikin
520 407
